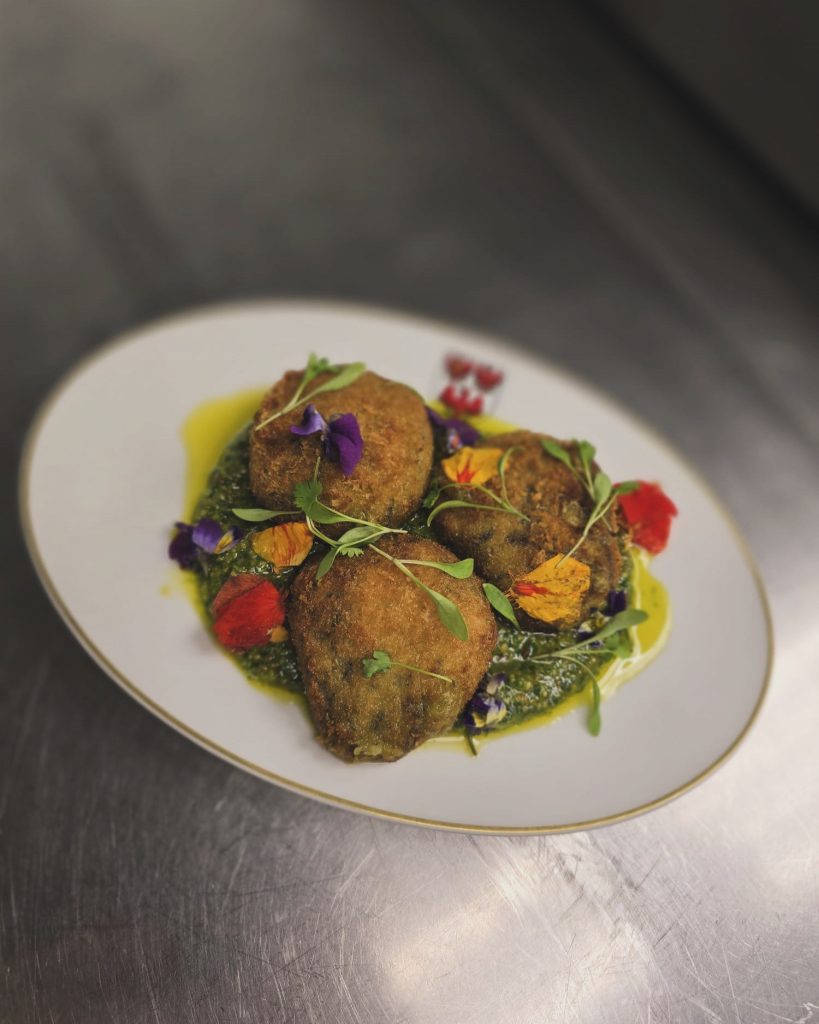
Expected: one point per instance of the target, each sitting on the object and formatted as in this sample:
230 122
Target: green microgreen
501 500
381 661
500 602
342 377
448 612
260 515
597 485
573 653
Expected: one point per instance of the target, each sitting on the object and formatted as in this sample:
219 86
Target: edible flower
648 511
206 535
341 437
487 377
458 432
461 400
485 709
554 591
472 465
284 545
616 602
248 612
458 366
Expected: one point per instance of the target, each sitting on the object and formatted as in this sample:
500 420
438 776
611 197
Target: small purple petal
182 549
345 443
617 602
312 422
482 712
459 432
466 432
206 534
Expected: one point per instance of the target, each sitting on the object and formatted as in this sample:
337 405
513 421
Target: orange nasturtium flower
472 465
283 545
554 591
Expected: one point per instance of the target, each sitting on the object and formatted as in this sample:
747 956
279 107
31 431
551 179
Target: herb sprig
597 485
573 653
501 500
381 661
364 534
343 376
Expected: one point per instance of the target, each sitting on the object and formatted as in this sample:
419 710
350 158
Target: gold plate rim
326 304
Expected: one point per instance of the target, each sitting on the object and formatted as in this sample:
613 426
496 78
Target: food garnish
648 511
458 431
381 661
341 438
554 590
500 602
342 377
250 612
287 544
485 710
597 485
204 537
471 468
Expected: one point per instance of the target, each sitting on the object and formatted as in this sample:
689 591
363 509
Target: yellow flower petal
554 591
472 465
278 635
283 545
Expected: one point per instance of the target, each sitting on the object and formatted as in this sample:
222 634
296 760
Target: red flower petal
457 399
232 588
457 367
246 620
488 377
649 511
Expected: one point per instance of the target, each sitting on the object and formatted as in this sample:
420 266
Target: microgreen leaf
602 490
326 564
460 570
258 515
557 451
358 535
500 602
379 662
448 612
347 375
455 503
627 486
587 453
593 721
623 620
306 495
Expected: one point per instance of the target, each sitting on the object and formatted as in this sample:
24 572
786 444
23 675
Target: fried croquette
557 505
390 480
367 604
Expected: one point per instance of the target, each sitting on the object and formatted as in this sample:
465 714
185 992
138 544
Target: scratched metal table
517 172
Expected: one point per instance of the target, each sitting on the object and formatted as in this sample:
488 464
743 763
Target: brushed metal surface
472 161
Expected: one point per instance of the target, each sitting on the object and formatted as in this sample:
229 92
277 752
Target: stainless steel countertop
471 161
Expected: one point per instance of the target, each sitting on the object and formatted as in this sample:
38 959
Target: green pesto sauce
530 688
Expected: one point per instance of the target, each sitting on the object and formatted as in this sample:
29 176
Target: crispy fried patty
389 482
543 488
366 604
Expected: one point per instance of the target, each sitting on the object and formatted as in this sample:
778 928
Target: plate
103 477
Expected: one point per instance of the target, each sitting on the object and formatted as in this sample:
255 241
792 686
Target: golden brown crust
505 547
366 604
390 480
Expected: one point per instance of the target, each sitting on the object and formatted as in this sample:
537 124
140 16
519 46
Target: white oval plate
103 479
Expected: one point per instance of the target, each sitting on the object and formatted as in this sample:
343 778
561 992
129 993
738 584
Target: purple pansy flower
459 433
206 535
341 438
485 709
617 601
